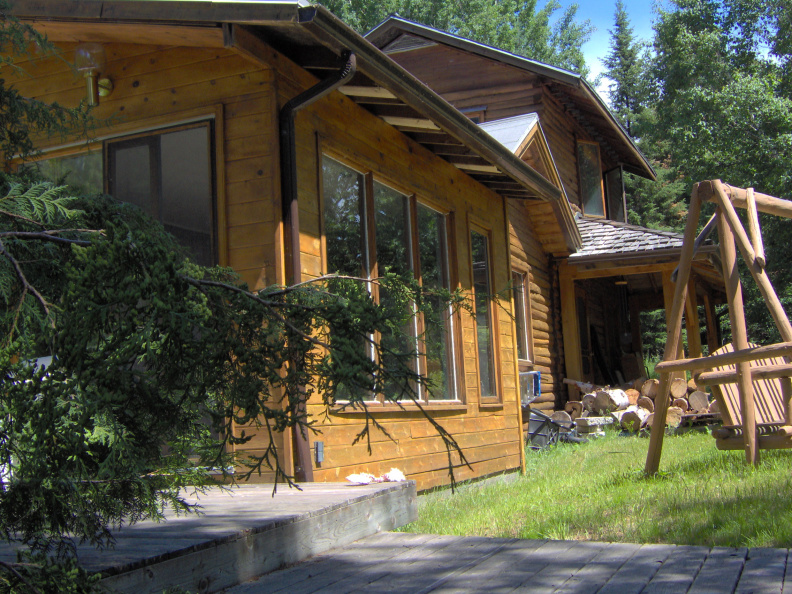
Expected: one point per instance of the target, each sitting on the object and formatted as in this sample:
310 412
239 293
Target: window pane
614 187
520 318
392 239
82 172
590 179
130 165
343 205
438 332
186 201
483 304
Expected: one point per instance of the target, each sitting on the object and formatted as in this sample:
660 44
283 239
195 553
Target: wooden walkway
243 533
419 563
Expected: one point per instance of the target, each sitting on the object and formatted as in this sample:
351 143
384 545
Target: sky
600 13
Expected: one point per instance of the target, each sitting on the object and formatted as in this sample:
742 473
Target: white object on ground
364 478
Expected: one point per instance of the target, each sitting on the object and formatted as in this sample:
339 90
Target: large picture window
370 227
167 173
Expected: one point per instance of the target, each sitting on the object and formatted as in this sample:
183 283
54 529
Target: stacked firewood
633 405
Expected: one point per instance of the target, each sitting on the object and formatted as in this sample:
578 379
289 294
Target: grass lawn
596 491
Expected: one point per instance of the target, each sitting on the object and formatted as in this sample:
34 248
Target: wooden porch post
692 321
569 323
713 329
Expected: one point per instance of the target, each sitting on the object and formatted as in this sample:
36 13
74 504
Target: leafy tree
519 26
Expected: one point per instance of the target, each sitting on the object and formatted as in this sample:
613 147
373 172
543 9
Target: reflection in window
522 320
83 172
483 304
396 235
439 352
590 179
343 208
614 188
168 175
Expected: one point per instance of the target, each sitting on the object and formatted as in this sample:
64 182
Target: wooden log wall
528 256
156 86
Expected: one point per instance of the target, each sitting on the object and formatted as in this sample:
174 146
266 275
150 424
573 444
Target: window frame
367 217
522 284
581 192
496 398
149 127
621 198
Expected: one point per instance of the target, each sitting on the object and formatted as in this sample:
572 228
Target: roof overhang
314 38
572 89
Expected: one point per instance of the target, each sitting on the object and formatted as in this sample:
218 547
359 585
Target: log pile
633 405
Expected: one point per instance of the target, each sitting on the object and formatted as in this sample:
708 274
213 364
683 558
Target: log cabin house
584 303
251 130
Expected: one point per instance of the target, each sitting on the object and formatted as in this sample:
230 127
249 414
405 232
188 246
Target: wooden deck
245 532
419 563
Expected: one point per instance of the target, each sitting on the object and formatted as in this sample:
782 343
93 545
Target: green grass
597 491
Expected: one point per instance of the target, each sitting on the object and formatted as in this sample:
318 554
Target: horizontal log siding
488 435
155 85
527 254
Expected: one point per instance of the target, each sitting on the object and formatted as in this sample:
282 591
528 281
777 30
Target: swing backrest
768 398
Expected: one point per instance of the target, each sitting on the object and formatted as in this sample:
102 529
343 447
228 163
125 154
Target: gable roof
314 38
572 90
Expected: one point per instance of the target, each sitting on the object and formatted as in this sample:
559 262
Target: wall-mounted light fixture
90 60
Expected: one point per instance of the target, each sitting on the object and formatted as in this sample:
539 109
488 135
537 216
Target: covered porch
621 271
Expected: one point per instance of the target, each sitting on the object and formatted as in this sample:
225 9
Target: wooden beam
757 272
473 167
569 324
740 336
401 122
173 35
765 372
739 197
674 318
754 353
361 91
753 228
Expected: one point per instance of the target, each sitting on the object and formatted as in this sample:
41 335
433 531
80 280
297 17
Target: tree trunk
634 419
674 416
588 402
681 403
611 400
632 395
650 387
646 403
575 409
699 401
678 388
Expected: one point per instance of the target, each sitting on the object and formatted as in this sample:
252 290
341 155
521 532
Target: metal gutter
291 213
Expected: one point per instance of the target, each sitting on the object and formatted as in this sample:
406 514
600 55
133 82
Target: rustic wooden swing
761 373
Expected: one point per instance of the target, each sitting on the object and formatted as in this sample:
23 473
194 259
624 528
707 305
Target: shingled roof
602 237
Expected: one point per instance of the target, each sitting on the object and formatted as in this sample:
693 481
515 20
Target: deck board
423 564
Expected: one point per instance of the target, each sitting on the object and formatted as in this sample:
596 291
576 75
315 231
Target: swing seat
772 431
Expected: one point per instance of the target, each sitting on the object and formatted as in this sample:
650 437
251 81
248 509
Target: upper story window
167 173
614 189
369 227
590 177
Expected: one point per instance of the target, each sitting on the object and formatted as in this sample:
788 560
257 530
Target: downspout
291 214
